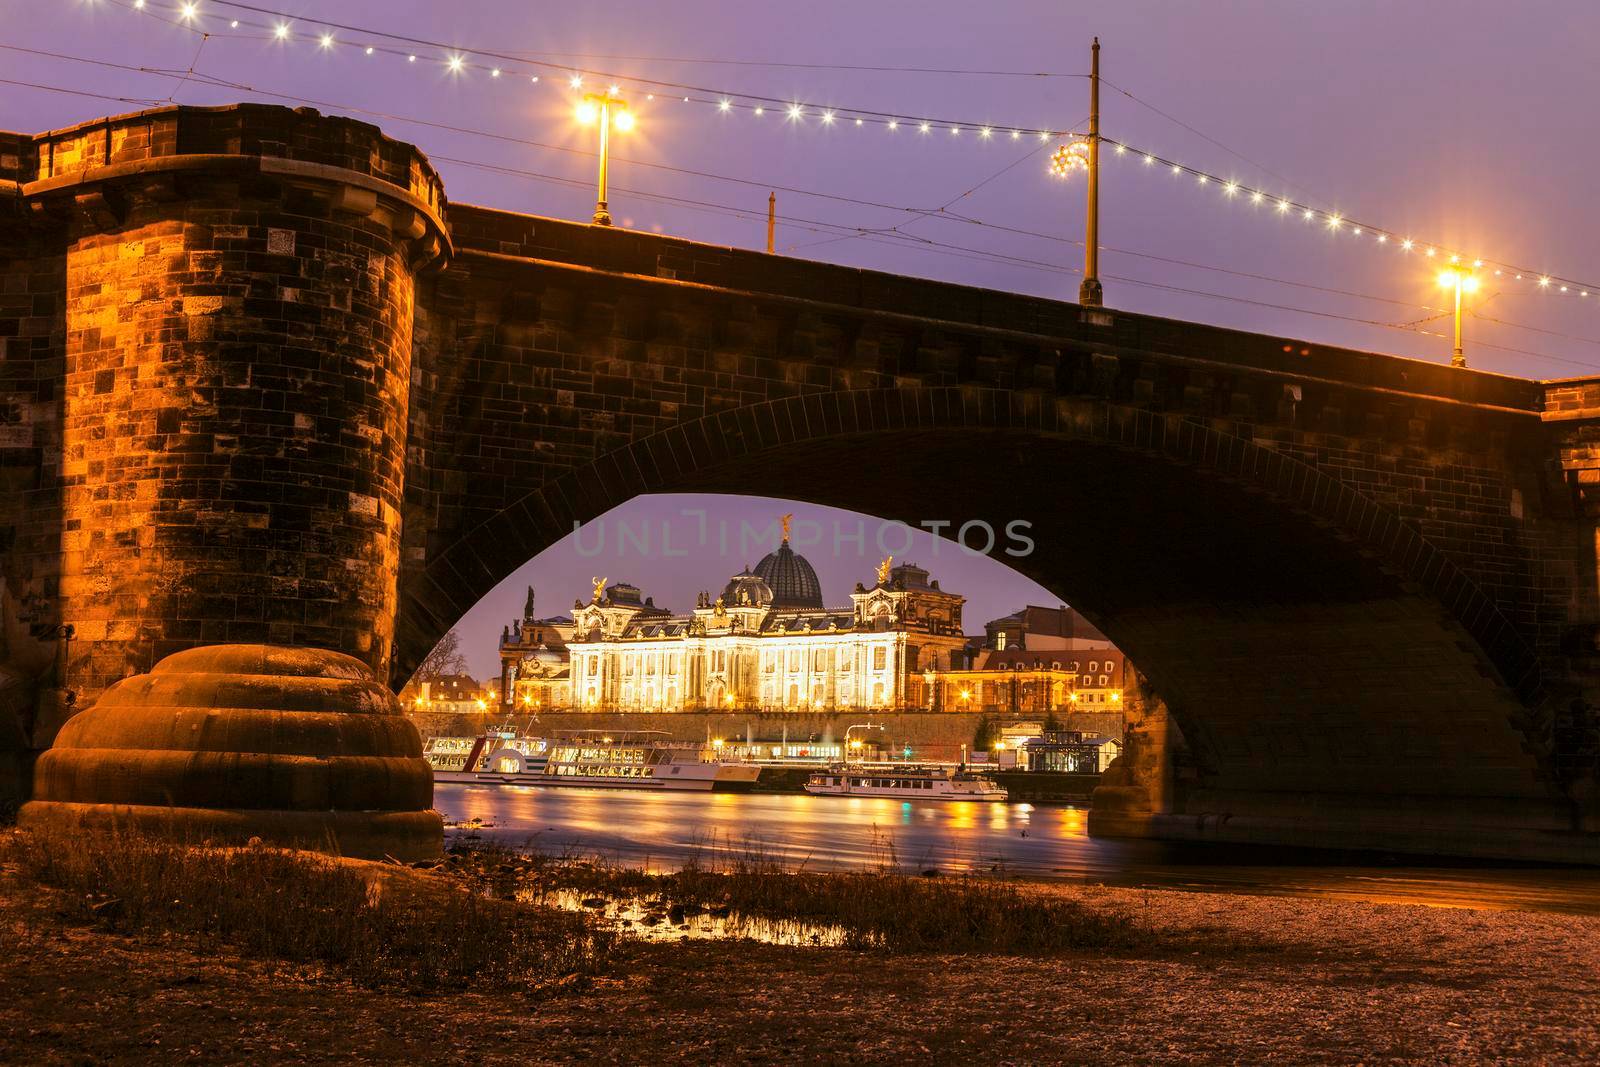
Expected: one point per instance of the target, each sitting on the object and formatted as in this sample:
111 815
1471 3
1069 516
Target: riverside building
535 671
766 642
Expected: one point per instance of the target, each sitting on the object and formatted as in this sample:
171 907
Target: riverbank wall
929 735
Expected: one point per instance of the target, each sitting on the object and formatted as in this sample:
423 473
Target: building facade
535 670
766 642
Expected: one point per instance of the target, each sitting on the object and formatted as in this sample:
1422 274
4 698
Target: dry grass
883 909
302 907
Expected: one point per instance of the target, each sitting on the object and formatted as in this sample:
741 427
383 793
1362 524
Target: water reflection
655 920
665 829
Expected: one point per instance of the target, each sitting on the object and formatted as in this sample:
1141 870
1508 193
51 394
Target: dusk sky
1465 125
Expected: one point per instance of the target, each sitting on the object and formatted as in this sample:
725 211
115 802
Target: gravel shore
1234 979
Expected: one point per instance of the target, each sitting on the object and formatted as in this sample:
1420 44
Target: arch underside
1298 657
1291 660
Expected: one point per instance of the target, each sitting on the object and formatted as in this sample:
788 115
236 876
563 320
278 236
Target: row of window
719 662
885 783
602 770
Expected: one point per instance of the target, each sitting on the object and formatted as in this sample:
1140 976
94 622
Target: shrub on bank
274 903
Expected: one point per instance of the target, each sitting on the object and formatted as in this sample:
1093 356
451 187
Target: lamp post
1461 280
1090 292
608 110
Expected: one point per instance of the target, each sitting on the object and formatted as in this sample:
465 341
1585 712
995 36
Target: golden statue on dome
786 520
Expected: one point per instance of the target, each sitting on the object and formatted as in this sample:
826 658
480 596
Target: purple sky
1463 122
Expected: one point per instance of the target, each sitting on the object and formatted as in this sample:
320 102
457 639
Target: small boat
904 782
645 759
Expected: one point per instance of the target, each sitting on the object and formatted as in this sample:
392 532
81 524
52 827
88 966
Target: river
663 829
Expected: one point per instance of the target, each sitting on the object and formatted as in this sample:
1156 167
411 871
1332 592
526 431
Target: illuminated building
766 642
450 694
534 669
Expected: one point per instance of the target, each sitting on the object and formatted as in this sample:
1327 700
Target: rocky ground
1233 979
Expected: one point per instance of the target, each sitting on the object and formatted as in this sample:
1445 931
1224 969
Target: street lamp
1461 280
608 110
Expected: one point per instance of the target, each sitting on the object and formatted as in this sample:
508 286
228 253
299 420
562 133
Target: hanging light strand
325 36
1336 223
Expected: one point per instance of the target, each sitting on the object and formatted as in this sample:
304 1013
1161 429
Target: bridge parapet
837 293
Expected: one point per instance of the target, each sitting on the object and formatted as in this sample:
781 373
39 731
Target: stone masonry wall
233 304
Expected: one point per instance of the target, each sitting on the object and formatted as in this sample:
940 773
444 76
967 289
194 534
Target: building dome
792 580
746 590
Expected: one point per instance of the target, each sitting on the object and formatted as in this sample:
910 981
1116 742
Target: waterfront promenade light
606 110
1461 280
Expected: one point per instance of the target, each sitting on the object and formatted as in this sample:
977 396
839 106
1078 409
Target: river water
664 829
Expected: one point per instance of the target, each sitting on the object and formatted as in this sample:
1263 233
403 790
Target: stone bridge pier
274 416
217 311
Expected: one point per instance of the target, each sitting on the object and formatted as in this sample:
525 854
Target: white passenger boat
500 755
645 759
904 781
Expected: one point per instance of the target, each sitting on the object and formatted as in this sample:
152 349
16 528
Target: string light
1337 223
755 104
190 11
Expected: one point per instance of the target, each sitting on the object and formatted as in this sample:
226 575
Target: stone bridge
262 386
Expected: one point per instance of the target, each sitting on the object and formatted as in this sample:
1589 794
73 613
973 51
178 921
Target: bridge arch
1304 636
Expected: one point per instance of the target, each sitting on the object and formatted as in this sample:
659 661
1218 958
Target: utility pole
772 219
1091 293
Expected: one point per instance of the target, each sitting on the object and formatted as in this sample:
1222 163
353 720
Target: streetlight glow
1462 280
603 110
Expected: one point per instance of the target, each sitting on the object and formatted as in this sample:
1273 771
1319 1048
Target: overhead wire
882 234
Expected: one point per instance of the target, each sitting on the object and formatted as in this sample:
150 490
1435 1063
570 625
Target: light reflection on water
664 829
649 921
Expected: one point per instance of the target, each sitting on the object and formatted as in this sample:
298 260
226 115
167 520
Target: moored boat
645 759
904 782
501 754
